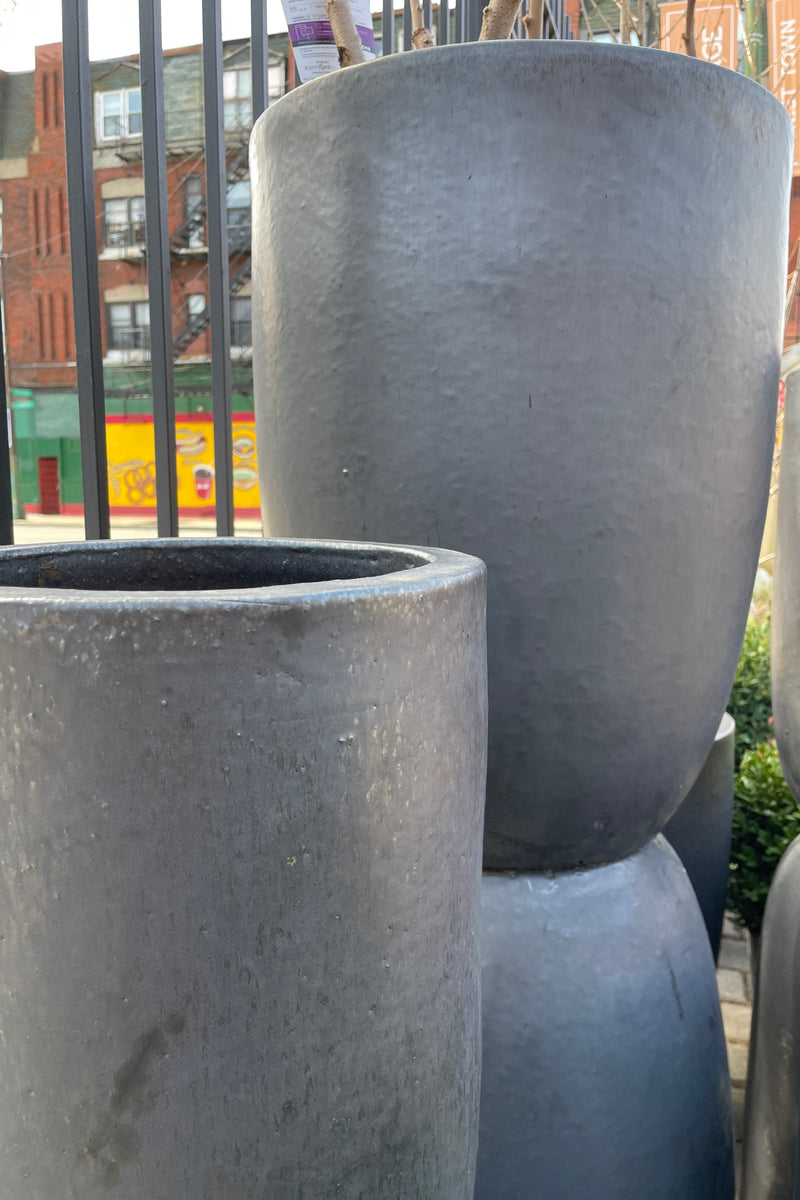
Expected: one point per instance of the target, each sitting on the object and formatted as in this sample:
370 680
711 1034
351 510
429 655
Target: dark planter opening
196 565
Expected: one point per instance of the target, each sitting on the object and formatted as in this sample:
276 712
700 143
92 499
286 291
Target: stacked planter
239 871
487 279
770 1167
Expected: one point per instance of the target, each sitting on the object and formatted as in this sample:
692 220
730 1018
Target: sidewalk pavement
39 529
735 993
733 972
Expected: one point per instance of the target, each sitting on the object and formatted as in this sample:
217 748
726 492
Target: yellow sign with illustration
132 471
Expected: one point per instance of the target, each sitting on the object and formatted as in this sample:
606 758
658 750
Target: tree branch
688 36
498 20
345 34
421 37
534 20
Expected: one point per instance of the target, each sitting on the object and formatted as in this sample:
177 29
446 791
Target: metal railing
459 24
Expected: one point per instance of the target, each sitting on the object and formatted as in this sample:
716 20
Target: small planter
239 869
700 831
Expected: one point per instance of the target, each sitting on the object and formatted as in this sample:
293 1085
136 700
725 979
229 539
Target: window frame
127 111
137 237
140 332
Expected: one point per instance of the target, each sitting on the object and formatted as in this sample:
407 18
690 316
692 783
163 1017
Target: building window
128 326
118 114
241 324
196 305
193 211
236 95
123 222
238 203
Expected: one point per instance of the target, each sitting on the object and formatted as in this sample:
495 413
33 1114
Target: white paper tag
312 39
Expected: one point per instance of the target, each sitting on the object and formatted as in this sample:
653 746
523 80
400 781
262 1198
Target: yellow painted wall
132 471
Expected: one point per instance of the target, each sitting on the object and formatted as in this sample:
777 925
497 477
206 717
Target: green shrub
750 701
766 818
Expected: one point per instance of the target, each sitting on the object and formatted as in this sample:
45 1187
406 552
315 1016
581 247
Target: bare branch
421 37
498 20
345 34
625 23
688 36
534 19
610 29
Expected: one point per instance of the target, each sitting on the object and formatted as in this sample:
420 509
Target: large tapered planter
242 788
524 300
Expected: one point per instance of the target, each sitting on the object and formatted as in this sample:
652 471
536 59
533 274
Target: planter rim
420 570
549 54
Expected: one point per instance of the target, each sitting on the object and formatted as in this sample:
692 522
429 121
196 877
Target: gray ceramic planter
239 869
770 1169
785 608
497 308
700 831
604 1068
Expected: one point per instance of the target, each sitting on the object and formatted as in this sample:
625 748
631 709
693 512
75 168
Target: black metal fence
459 24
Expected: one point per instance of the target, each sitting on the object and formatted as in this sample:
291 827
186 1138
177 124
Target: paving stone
731 985
737 1098
737 1062
736 1020
734 954
731 930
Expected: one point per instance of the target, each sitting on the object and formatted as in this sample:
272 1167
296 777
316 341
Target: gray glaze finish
493 331
239 871
604 1067
786 589
770 1168
700 831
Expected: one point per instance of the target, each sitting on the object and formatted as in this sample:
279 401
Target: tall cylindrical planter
771 1169
239 870
785 630
496 307
700 831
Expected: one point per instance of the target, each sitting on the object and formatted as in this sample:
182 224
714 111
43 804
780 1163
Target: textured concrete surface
242 836
426 396
735 992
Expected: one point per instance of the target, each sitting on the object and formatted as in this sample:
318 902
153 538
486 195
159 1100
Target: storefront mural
132 472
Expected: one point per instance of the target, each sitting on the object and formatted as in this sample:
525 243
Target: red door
49 488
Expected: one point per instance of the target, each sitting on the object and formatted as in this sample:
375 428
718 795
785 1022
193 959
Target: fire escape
185 238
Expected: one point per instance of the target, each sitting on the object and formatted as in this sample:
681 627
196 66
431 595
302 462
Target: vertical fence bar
407 30
218 273
154 150
387 28
259 56
459 19
85 285
427 14
6 490
443 32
